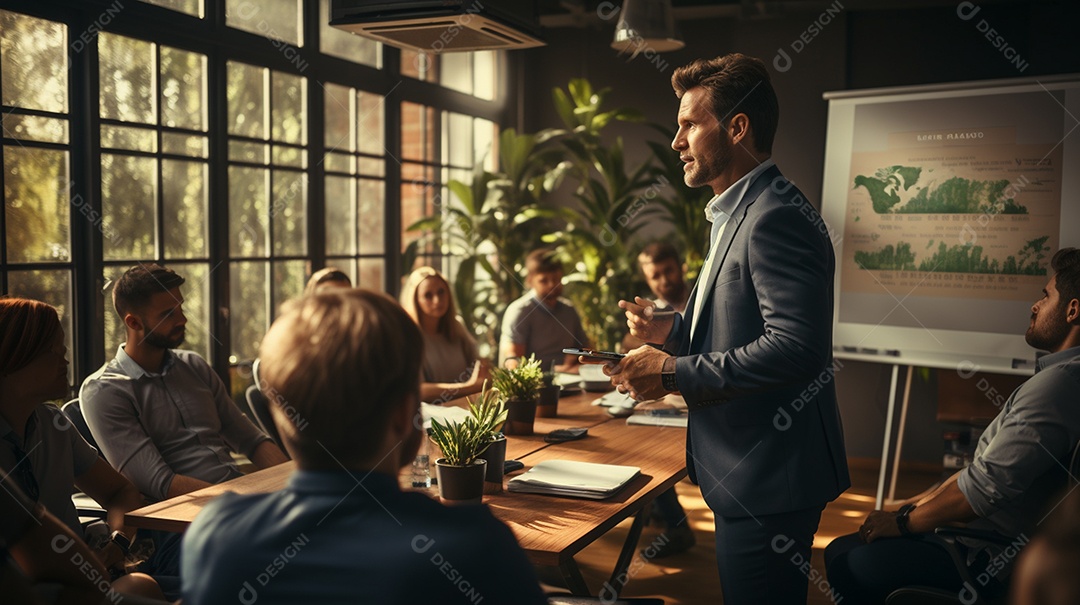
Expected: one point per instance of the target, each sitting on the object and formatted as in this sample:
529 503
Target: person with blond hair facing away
327 277
452 366
347 365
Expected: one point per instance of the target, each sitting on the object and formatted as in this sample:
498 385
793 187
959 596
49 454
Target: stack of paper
680 420
575 479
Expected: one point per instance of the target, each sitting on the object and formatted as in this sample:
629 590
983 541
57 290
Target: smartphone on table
599 355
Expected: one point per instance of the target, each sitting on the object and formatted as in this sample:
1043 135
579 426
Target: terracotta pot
520 414
495 456
548 405
461 484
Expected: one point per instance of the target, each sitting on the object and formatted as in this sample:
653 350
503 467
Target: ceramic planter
495 456
520 414
548 404
461 484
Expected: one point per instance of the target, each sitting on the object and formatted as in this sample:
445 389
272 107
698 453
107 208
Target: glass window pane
293 157
340 162
248 211
129 206
183 191
485 136
340 216
244 151
372 271
456 72
372 166
372 216
485 73
33 63
288 102
346 45
126 66
182 144
413 208
249 299
34 128
36 203
126 137
191 7
422 66
54 288
417 132
289 213
275 19
339 112
290 277
196 291
246 91
183 89
458 139
369 121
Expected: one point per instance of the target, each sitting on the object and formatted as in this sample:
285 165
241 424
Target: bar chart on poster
945 204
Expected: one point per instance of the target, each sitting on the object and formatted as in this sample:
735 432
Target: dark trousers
766 559
667 504
868 573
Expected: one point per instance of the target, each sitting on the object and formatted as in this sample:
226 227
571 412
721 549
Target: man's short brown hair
334 366
133 290
543 260
658 252
736 84
1066 266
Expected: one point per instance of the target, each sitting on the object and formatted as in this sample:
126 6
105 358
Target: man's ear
132 322
739 129
1072 312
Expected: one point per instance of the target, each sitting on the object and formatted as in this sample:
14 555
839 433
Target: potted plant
460 471
519 388
489 414
547 406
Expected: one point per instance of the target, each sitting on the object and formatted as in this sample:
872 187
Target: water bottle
421 471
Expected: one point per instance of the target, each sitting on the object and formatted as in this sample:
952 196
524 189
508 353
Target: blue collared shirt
152 427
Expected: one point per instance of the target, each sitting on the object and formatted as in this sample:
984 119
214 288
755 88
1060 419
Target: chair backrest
1074 467
73 411
260 406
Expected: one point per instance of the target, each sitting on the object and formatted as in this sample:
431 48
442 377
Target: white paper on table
445 414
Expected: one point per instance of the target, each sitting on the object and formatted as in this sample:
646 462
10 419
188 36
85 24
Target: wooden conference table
551 529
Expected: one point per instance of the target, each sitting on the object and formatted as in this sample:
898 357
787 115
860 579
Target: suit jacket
764 432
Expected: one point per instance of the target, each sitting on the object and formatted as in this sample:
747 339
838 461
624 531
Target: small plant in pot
460 471
489 414
547 406
519 388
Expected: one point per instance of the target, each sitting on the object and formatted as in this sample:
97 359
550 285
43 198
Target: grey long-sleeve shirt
1021 461
152 427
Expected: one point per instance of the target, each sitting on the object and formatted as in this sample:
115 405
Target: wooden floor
691 577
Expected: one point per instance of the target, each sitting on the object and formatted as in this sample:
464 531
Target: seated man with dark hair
161 416
1020 466
347 365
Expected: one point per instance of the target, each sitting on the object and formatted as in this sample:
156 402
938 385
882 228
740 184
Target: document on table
445 414
573 478
679 420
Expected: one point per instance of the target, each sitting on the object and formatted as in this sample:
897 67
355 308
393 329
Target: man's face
548 286
163 320
665 278
703 145
1048 328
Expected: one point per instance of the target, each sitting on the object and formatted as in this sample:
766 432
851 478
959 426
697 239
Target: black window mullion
218 208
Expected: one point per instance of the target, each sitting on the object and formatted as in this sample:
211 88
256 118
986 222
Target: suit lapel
730 229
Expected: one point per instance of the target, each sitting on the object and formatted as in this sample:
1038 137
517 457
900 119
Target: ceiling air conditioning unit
441 25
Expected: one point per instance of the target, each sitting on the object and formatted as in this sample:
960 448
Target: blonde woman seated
451 367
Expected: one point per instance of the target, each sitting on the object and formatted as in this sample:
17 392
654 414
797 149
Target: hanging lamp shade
646 24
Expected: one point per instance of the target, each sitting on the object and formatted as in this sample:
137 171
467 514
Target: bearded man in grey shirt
160 415
1019 469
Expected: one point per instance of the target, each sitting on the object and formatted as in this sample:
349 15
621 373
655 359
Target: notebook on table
574 479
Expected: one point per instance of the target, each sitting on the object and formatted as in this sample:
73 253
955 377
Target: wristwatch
667 375
118 538
902 516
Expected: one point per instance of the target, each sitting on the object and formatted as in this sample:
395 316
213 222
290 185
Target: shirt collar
1055 358
729 199
341 481
9 434
132 368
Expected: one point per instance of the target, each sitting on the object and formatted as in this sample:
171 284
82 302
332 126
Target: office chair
85 506
260 407
973 592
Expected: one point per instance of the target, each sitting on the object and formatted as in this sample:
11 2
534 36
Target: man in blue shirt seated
342 371
1020 466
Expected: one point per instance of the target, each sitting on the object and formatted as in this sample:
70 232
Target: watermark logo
967 11
96 26
61 544
608 236
782 61
781 544
969 594
782 420
610 593
421 544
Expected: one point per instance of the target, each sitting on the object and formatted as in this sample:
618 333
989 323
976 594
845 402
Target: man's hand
111 556
644 322
638 374
879 524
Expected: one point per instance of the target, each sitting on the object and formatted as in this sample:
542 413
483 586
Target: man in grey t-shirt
541 323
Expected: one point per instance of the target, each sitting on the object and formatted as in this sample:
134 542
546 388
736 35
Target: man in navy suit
752 354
